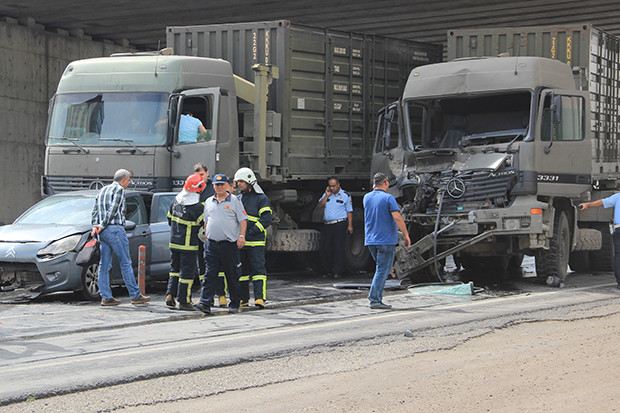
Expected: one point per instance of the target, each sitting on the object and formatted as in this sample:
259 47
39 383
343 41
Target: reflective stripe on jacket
260 216
185 222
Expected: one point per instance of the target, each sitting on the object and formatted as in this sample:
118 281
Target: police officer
225 226
185 220
202 170
259 212
338 218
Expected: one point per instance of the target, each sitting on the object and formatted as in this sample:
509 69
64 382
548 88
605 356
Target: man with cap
259 212
338 218
225 226
201 169
185 220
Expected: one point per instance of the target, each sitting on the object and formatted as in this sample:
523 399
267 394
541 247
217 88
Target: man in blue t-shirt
610 202
382 220
190 128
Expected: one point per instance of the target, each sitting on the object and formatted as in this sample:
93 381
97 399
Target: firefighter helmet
245 175
194 183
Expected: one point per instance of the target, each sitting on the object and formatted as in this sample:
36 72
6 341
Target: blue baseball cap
220 179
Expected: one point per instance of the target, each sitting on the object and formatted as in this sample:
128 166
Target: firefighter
185 219
259 212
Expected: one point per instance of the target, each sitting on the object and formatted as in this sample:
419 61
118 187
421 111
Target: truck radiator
475 190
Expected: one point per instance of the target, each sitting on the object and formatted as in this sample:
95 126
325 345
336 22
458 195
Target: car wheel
90 283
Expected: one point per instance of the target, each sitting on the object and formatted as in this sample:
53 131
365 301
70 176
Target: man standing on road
338 218
185 219
202 170
108 219
258 208
225 225
382 221
610 202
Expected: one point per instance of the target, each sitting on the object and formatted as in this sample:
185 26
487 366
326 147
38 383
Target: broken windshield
91 119
450 122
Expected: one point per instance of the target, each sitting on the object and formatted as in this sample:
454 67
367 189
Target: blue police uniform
333 235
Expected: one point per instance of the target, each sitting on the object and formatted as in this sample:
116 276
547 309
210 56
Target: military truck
490 156
295 104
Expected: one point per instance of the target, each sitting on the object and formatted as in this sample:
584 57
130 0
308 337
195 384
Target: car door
158 266
135 212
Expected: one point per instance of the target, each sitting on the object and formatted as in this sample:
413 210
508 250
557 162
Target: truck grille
475 190
55 184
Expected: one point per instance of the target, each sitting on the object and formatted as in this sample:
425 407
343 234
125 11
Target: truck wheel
515 261
554 261
603 259
579 261
90 283
289 240
356 256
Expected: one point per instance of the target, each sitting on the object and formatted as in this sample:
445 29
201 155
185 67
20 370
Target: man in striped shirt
108 219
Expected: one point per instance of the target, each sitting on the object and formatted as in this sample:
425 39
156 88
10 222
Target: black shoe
186 307
380 306
201 307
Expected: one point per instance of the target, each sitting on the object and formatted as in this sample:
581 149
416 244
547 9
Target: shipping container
594 56
331 86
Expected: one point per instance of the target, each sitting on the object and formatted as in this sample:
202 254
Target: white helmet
245 175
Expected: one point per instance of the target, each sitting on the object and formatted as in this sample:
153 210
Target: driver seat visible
453 136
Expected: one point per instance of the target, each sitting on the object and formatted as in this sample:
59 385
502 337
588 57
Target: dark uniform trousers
253 267
202 271
182 273
221 255
333 238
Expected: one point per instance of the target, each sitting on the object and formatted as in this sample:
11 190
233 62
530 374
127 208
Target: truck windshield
94 119
450 122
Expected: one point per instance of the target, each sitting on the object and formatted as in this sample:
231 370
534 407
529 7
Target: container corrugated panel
593 51
331 85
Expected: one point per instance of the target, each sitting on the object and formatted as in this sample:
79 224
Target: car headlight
59 247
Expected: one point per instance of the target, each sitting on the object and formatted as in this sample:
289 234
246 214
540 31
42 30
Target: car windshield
60 209
102 119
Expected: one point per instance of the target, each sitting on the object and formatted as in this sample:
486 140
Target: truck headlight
57 248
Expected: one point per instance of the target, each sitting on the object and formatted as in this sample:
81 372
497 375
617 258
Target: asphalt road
56 346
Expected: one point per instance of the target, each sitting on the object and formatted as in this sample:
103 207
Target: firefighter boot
170 302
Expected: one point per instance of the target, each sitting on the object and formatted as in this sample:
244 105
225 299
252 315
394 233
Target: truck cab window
195 120
571 125
387 132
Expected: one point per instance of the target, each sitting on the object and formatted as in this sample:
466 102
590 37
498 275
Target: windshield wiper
128 142
73 141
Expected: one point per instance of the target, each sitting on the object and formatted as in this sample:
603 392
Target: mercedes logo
456 188
96 185
10 253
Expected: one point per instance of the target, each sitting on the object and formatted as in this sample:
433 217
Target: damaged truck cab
489 158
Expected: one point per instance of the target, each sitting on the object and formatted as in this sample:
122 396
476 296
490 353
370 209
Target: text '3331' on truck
490 157
295 104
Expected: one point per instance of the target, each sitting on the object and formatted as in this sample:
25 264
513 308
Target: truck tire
554 261
603 259
579 261
294 240
90 283
494 263
356 255
515 261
